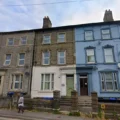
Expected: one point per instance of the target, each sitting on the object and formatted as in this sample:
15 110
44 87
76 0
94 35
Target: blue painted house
97 48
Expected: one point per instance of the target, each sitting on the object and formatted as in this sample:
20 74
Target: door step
85 103
65 103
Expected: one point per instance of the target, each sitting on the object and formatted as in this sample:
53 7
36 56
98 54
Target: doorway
83 84
69 84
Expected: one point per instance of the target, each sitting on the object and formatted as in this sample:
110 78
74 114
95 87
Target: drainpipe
32 63
1 37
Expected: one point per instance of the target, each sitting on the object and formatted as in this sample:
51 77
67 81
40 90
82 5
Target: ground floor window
17 80
109 81
47 81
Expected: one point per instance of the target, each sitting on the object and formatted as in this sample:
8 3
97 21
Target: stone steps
85 103
65 103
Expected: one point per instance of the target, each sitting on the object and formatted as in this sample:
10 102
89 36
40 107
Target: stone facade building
54 61
16 51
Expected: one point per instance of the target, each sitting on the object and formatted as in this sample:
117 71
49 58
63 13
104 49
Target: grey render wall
13 68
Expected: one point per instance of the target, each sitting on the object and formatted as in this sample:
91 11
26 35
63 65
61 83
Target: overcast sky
29 17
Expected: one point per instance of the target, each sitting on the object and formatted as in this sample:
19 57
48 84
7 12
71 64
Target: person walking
21 104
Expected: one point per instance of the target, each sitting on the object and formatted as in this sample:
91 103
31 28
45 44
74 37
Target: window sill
110 92
23 44
45 64
106 39
16 90
114 63
61 42
61 64
45 91
20 65
10 45
46 43
6 65
88 40
91 63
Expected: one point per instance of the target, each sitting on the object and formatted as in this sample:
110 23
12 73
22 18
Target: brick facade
54 46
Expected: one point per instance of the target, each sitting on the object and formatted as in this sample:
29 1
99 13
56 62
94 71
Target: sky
14 18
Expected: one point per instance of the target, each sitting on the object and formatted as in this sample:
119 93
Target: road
3 118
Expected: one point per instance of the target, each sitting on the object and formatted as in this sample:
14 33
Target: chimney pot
47 22
108 16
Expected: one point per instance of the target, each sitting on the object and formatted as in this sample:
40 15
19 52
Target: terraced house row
84 57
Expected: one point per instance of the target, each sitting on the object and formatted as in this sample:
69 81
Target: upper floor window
62 57
21 59
108 52
61 37
90 55
10 41
47 81
7 59
17 80
23 40
106 34
109 81
88 35
46 58
46 39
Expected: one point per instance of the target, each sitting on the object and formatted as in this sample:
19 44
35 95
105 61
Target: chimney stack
46 22
108 16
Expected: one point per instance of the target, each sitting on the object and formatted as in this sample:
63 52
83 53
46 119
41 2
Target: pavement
27 115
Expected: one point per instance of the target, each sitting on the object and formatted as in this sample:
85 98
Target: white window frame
89 55
87 37
43 58
8 60
23 40
58 37
51 82
113 81
106 32
21 59
8 41
105 56
44 41
13 82
58 57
